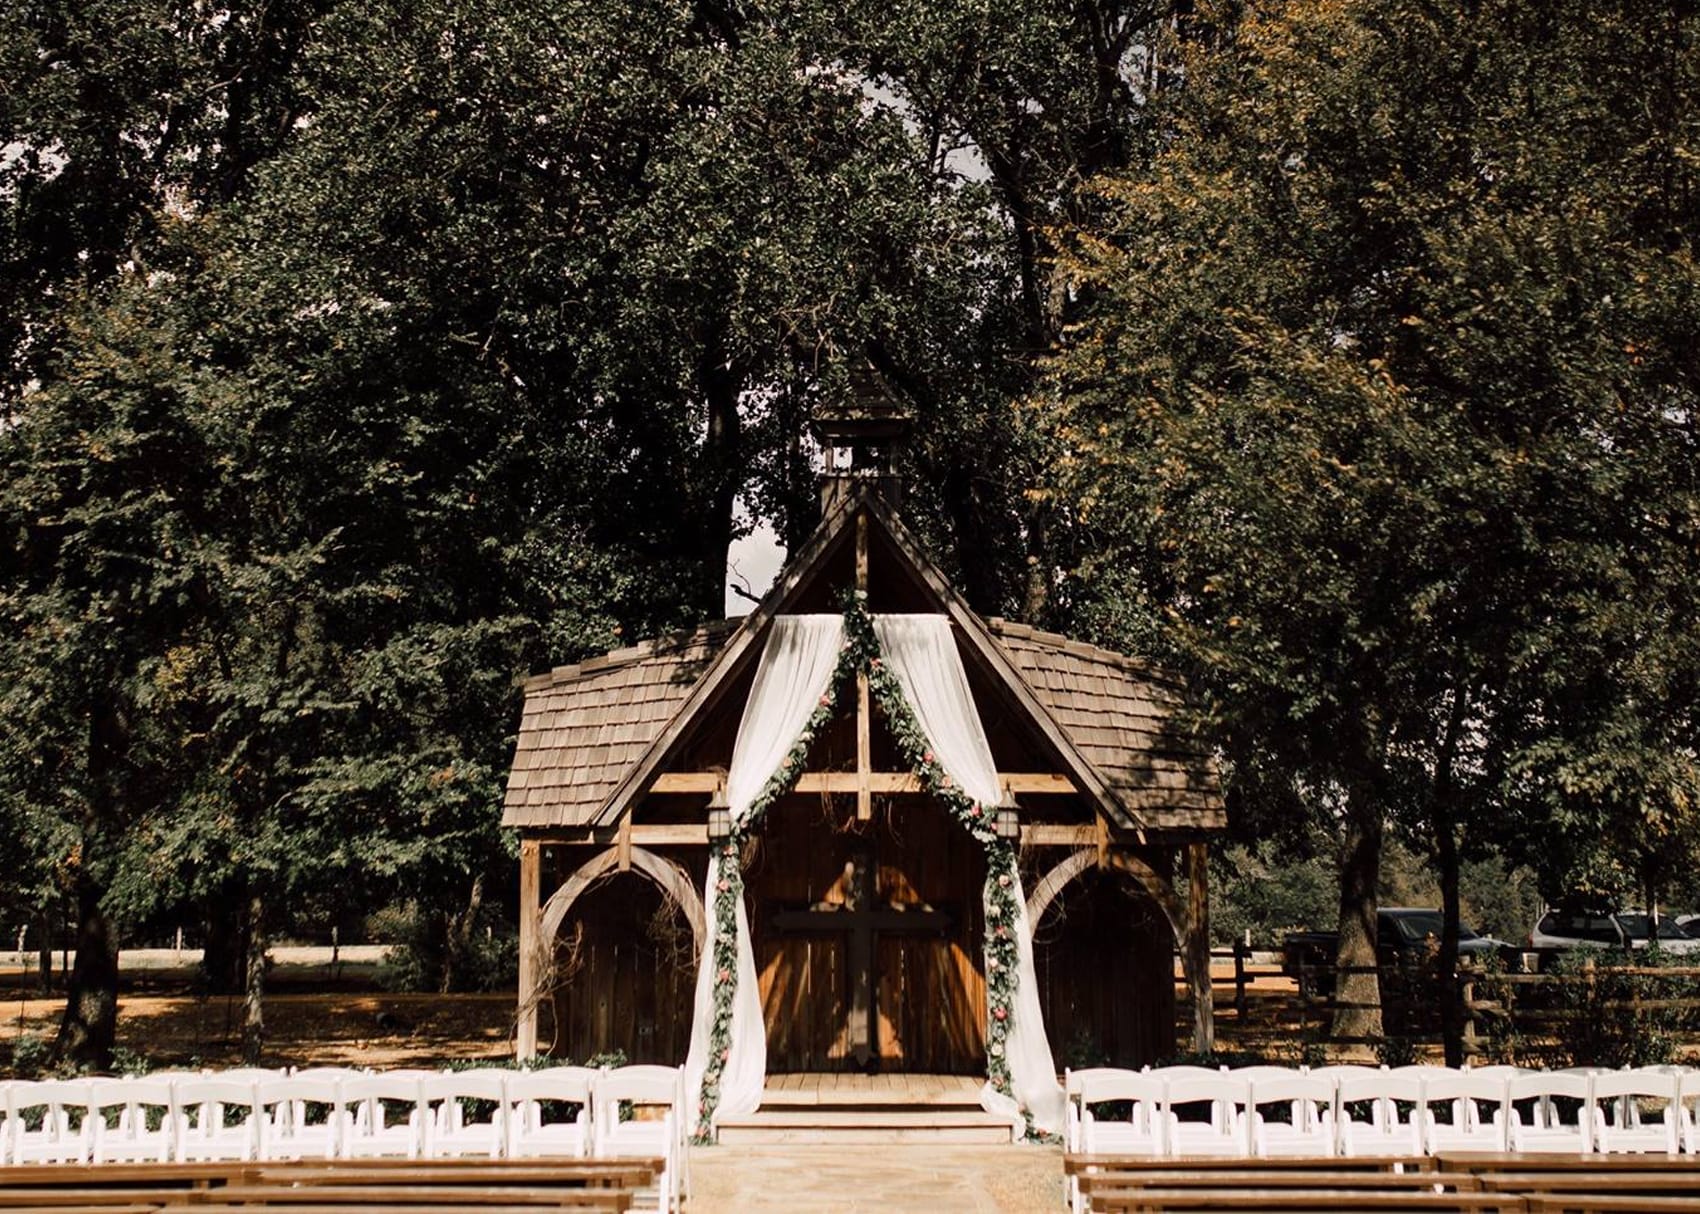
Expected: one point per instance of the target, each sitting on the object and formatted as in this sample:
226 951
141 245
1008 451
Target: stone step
864 1124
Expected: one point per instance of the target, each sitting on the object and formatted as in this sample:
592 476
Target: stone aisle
876 1177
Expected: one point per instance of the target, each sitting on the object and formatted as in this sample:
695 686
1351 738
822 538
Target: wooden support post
530 946
1198 946
864 721
623 843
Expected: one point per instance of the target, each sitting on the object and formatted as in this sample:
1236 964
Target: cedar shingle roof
585 725
1124 716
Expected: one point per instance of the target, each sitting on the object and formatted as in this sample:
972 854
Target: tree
1381 414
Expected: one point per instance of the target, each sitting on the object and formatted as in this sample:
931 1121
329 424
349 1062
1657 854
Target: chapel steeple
861 435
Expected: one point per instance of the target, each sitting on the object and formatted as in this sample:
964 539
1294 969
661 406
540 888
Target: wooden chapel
864 896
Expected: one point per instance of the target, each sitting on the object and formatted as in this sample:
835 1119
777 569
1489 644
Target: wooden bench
299 1186
1244 1201
1607 1203
1077 1164
1459 1182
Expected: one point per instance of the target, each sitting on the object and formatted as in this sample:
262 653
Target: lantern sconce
1008 820
719 817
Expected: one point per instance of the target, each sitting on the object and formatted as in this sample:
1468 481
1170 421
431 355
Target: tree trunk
89 1028
254 982
1451 1009
722 382
44 951
459 950
224 951
1358 994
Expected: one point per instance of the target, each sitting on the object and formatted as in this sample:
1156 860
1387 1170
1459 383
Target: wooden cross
863 922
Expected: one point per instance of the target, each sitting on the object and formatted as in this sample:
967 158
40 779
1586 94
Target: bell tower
861 437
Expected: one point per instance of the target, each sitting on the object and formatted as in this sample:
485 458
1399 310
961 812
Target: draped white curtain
794 673
922 654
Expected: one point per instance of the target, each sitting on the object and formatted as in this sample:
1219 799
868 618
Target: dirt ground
319 1016
310 1021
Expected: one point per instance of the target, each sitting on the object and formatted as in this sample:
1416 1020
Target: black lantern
719 817
1008 821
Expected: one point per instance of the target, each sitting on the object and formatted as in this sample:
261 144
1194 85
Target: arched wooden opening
1103 947
622 958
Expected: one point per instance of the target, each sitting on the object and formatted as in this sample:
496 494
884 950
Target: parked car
1403 935
1566 929
1672 939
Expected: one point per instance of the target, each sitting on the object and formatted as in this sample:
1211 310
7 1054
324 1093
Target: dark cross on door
862 922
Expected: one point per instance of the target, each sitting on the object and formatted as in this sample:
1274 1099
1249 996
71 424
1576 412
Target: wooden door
625 975
887 912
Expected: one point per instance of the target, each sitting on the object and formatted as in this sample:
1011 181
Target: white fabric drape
922 653
795 671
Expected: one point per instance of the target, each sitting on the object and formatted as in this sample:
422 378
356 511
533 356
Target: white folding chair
133 1119
1379 1113
465 1113
1452 1111
656 1096
1638 1110
549 1111
216 1118
1224 1128
1550 1111
1086 1133
1292 1113
299 1118
50 1121
383 1115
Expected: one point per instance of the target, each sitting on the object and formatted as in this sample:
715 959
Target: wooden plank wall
625 975
1105 960
930 991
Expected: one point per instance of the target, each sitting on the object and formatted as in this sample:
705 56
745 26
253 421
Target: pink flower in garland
874 665
973 810
927 757
726 1054
1003 932
724 975
826 701
1003 880
723 885
944 782
1001 1013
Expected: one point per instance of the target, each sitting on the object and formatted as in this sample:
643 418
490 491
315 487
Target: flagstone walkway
876 1177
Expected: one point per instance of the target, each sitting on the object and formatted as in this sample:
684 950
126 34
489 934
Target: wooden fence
1507 1013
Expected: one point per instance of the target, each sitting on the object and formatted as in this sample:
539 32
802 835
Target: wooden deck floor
893 1089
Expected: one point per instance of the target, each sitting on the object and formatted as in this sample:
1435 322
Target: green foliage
1611 1019
1256 889
428 954
1379 415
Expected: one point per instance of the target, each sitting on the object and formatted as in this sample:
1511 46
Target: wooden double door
868 939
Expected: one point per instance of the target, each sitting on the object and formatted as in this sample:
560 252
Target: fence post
1467 993
1241 948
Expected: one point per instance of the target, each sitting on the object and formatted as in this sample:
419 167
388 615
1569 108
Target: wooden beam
663 835
1050 834
1198 947
530 918
1033 782
864 716
623 843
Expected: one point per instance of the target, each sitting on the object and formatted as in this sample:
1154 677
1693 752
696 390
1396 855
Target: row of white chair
1259 1112
332 1113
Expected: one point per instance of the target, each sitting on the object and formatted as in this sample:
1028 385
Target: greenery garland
860 653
